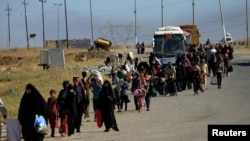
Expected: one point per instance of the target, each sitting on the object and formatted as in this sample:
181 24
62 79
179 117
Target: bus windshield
169 44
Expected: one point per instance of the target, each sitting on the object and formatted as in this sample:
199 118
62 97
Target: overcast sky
119 14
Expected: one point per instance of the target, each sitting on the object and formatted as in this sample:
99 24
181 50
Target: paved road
181 118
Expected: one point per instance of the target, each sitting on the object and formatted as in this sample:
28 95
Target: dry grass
241 48
14 76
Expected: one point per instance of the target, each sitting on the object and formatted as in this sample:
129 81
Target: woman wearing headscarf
32 104
87 99
105 103
135 85
196 77
80 96
70 105
63 130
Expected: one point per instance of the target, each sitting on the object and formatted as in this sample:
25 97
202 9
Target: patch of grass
241 48
26 70
43 80
12 101
9 77
6 78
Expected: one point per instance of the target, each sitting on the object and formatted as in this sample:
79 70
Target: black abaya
31 104
106 105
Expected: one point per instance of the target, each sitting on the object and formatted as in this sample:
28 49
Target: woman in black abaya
32 103
106 105
70 104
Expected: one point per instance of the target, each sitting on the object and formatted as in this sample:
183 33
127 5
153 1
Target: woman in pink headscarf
140 94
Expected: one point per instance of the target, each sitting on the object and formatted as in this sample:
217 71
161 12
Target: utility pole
135 25
44 43
66 21
58 23
8 10
193 11
92 26
26 24
162 22
223 25
247 23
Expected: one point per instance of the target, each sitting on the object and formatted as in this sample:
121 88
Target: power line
43 1
229 27
66 23
218 29
26 23
193 10
58 23
217 20
162 19
135 23
118 32
92 25
8 13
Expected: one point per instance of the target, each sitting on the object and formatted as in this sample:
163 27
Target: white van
229 38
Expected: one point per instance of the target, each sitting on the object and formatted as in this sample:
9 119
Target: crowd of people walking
190 70
66 110
148 79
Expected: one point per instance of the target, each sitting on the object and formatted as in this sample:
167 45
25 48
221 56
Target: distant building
81 43
75 43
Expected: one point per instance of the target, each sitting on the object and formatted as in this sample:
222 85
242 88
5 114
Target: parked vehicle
194 36
103 43
168 42
229 38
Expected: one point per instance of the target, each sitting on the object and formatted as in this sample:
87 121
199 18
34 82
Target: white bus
168 42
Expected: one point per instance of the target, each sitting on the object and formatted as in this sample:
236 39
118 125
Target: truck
102 43
168 42
194 37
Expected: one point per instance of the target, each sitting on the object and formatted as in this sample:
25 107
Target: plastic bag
97 75
214 81
99 119
154 92
41 125
230 68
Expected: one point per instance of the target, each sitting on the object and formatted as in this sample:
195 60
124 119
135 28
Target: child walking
117 91
53 112
124 95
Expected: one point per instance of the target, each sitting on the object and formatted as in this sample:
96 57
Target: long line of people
150 79
192 69
189 72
